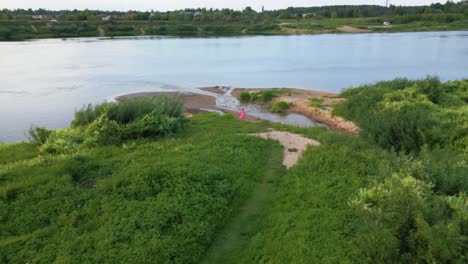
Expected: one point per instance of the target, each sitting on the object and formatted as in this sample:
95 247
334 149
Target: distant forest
246 15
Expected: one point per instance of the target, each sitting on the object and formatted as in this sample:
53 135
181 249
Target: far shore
299 99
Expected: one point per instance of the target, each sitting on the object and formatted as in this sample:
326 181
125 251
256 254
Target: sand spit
301 103
294 145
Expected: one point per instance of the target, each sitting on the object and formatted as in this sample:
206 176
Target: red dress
242 115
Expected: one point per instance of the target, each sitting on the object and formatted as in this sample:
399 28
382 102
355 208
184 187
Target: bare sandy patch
301 104
294 145
350 29
215 89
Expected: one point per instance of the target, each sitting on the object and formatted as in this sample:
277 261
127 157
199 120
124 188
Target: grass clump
263 96
244 97
316 102
114 123
39 135
279 107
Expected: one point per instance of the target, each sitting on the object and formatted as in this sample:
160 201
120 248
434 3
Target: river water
44 81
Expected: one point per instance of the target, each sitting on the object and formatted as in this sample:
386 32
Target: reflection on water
44 81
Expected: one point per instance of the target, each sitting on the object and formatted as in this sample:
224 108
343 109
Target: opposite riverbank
14 30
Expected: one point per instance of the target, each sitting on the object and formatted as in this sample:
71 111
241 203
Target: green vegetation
244 96
154 199
279 107
407 115
209 192
263 96
23 24
316 102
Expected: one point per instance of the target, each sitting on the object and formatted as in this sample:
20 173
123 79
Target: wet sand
301 104
299 99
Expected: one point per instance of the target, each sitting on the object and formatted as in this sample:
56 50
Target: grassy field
22 30
167 189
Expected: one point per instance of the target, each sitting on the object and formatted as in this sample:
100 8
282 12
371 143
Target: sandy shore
299 99
301 104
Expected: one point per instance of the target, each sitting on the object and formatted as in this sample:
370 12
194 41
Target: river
44 81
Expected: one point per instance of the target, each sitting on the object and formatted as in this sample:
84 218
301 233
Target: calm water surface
43 82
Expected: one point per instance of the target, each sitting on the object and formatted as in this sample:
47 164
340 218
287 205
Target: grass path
230 242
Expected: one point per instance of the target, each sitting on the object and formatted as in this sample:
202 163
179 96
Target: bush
153 125
410 224
279 107
104 131
406 115
39 135
129 110
244 96
63 141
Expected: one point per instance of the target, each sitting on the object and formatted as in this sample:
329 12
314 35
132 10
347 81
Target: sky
164 5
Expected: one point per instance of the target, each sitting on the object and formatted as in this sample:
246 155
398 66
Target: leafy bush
244 96
410 224
104 131
406 115
64 141
153 125
279 107
87 114
110 123
39 135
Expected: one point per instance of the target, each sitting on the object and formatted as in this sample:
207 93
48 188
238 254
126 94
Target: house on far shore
36 16
106 18
53 21
386 23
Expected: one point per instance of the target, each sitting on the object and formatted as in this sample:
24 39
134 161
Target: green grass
212 193
16 152
143 201
279 107
309 219
316 102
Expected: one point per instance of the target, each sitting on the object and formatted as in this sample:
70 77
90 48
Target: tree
334 15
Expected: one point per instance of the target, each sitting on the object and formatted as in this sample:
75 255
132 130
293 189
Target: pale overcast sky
163 5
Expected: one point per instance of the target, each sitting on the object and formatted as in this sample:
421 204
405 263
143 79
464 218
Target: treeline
248 14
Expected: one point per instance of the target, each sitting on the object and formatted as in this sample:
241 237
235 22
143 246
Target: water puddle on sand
228 102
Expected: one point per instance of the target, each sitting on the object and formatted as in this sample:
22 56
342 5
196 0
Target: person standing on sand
242 114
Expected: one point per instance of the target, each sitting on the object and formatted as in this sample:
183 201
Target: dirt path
102 32
349 29
294 145
237 233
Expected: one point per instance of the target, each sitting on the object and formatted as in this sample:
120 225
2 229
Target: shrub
406 115
410 224
39 135
63 141
129 110
279 107
87 114
153 125
266 96
244 96
104 131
